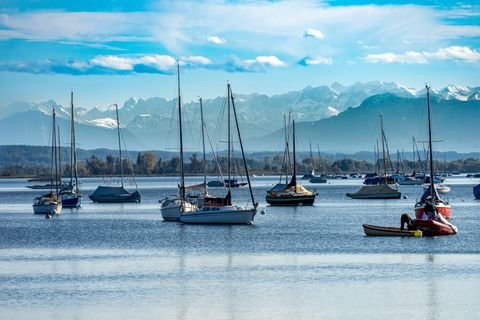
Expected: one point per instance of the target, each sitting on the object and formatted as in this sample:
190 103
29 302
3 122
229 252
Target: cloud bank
459 53
123 65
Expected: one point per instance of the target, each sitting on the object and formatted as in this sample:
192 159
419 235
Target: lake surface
121 261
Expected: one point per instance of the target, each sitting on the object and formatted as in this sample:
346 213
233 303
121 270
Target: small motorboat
440 187
476 192
371 230
433 224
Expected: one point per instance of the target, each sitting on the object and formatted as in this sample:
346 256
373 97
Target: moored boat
476 192
51 204
380 191
293 193
371 230
116 194
430 197
220 210
378 187
71 196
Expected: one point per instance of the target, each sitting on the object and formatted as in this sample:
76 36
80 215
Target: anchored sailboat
430 196
293 193
116 194
171 208
218 210
71 197
51 204
382 190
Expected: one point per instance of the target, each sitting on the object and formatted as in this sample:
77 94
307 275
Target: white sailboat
220 210
51 204
171 208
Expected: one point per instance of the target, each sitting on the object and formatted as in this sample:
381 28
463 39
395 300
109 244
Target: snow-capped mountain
153 121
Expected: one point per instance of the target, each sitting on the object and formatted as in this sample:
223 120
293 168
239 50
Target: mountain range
334 118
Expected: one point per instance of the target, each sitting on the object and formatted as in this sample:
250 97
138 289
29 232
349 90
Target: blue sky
108 51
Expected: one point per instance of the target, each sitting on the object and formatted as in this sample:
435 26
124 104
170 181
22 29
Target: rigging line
215 158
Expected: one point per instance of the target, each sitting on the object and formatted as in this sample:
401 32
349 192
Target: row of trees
147 163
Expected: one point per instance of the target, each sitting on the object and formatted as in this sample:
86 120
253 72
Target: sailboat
171 208
51 204
293 193
382 190
116 194
220 210
476 192
317 178
430 196
71 197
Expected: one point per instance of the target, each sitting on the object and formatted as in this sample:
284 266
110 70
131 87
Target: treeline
149 164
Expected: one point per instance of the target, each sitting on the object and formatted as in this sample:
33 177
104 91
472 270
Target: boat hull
234 216
476 192
74 201
442 208
52 208
114 195
381 191
171 209
290 200
431 228
380 231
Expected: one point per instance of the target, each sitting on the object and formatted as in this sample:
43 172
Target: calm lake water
121 261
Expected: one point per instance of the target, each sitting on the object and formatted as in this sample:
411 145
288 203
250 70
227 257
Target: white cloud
216 40
195 60
314 33
270 61
414 57
316 60
253 65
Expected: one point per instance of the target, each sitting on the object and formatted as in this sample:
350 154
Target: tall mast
119 144
293 182
59 155
72 141
432 187
182 173
73 149
383 150
311 155
243 153
286 152
229 95
203 145
54 150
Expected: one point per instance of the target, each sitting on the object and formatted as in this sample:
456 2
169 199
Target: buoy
48 216
405 197
262 212
418 233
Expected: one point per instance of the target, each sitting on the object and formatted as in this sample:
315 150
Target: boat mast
311 157
203 145
182 174
293 182
243 153
119 144
229 95
54 152
73 149
383 150
59 155
286 157
432 187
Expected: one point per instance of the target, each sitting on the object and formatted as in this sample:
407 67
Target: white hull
441 188
171 209
51 208
224 215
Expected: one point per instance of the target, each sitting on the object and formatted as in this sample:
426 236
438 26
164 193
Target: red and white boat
430 196
432 228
